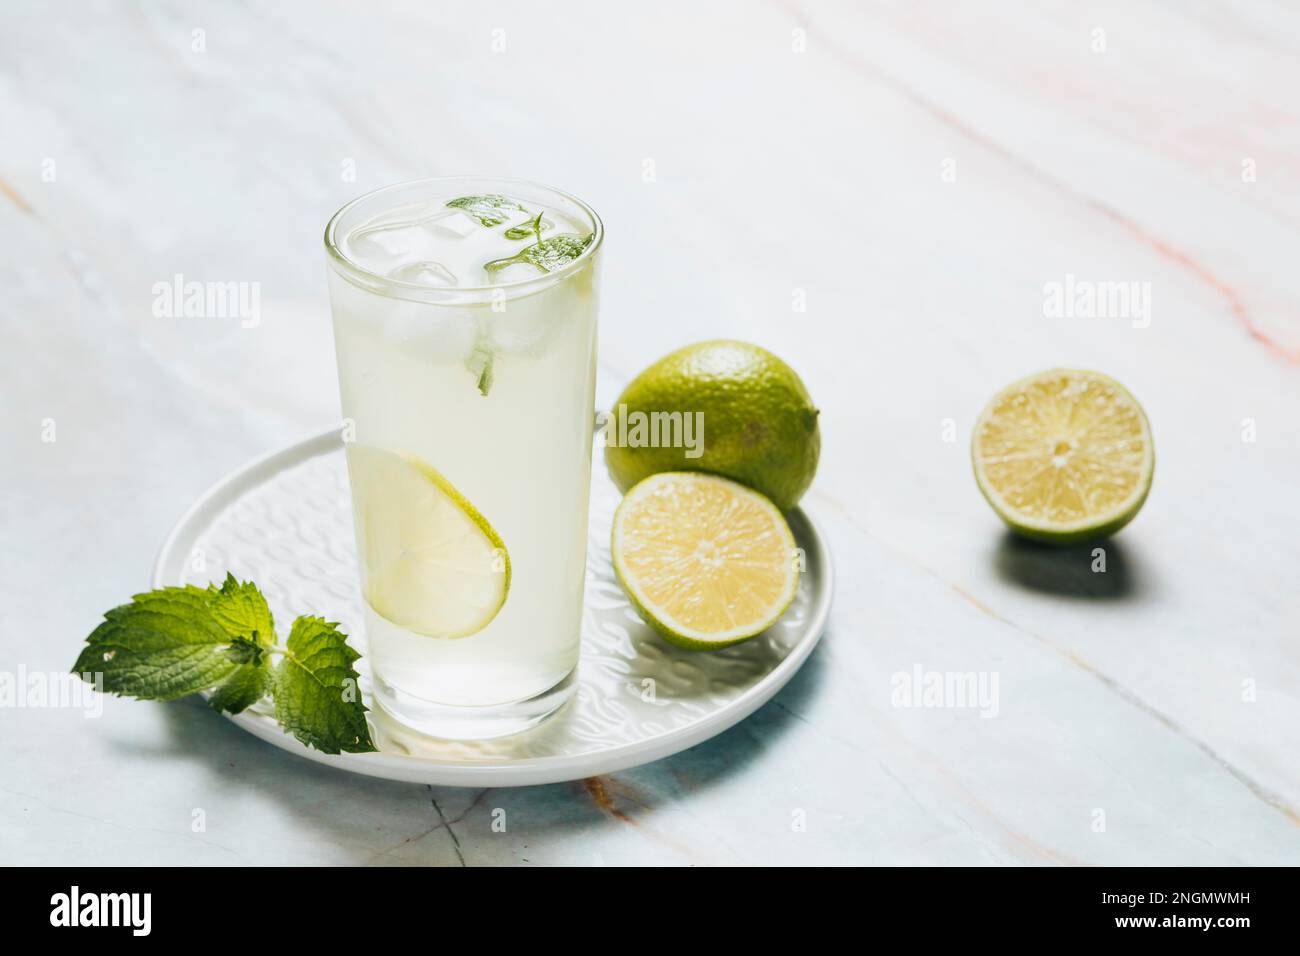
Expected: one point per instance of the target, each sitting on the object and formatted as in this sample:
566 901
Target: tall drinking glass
465 327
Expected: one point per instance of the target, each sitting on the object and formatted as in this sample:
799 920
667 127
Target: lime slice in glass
430 561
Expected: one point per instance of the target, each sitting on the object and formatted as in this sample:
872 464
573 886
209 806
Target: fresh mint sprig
490 210
177 641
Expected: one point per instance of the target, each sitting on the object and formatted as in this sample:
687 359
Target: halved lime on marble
707 562
431 562
1064 456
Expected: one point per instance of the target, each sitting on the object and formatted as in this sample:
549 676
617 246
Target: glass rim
397 288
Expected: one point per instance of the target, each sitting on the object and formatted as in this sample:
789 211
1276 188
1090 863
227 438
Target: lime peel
758 423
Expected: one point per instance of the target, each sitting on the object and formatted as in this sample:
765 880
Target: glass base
450 722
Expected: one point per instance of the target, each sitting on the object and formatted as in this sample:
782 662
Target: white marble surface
919 172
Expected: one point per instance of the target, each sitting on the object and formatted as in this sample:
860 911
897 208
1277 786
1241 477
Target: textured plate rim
525 771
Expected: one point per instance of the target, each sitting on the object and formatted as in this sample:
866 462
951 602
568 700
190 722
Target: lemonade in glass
465 328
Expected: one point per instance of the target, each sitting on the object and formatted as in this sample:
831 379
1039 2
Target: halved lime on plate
706 561
1064 456
430 561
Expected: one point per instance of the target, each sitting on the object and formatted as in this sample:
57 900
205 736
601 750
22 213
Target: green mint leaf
315 689
164 645
532 228
241 611
479 363
250 682
244 650
177 641
548 254
174 642
490 210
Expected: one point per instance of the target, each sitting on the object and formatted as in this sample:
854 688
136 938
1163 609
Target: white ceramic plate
284 522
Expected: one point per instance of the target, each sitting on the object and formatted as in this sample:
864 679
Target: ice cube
524 327
428 333
514 272
452 224
395 240
427 273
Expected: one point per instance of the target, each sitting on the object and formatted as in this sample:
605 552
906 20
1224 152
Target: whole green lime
725 407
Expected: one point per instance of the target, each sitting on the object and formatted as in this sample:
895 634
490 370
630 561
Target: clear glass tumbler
465 328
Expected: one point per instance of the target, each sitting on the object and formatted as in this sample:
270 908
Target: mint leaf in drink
479 363
548 254
490 210
177 641
315 689
162 646
527 230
